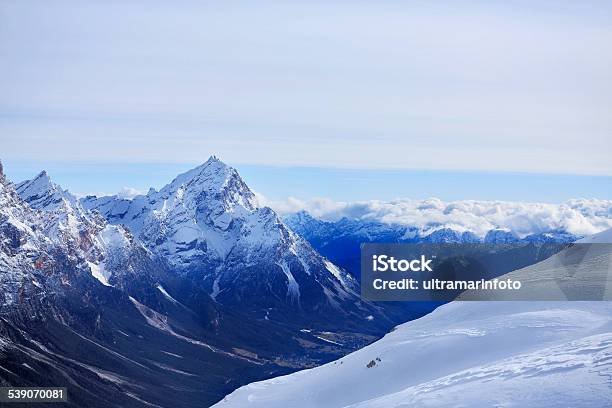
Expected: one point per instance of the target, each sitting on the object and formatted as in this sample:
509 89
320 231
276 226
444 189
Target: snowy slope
521 353
464 354
604 237
581 271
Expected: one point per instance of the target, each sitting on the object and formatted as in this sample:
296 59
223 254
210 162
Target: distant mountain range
340 241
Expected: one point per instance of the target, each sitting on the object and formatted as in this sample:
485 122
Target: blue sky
279 182
328 99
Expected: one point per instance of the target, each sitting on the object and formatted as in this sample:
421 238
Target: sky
506 100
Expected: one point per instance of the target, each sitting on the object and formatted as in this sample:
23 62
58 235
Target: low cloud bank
578 216
129 192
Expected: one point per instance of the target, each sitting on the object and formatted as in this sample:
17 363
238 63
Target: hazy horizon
447 86
280 183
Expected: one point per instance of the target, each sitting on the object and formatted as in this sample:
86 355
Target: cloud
129 192
578 216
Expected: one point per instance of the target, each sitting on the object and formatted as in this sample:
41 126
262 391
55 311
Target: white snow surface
335 271
464 354
98 272
293 288
166 294
604 237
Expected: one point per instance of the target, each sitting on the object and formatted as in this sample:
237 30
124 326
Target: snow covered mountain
472 354
110 251
84 303
320 231
208 225
23 248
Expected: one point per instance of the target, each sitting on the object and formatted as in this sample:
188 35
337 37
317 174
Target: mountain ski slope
464 354
469 354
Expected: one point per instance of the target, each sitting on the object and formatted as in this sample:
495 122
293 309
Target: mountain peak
211 167
300 219
38 186
500 236
213 161
42 193
43 177
214 180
